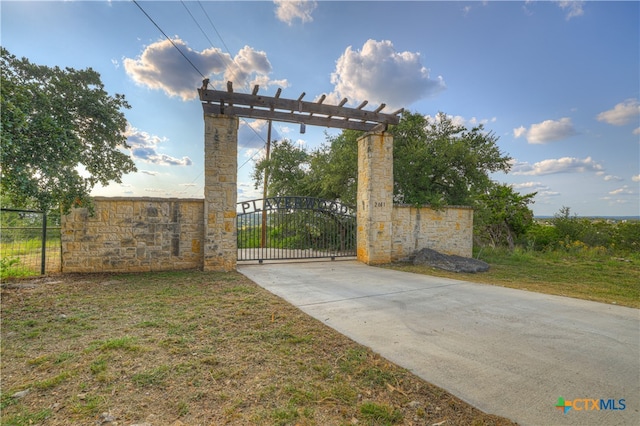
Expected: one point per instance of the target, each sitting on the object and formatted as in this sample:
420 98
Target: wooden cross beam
294 111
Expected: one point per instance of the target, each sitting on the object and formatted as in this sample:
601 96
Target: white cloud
162 67
459 120
621 114
528 185
143 147
624 190
520 131
557 165
248 191
574 8
289 10
468 8
380 74
538 187
156 190
635 178
254 134
608 178
547 131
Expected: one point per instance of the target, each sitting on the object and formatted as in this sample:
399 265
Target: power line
196 68
232 60
214 28
168 38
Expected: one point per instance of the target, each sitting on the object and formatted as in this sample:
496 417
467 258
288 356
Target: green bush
542 236
584 236
626 237
569 228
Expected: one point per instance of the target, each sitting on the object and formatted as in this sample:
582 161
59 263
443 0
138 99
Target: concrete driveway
508 352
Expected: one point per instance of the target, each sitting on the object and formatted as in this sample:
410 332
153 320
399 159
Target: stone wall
134 235
375 198
152 234
449 230
220 192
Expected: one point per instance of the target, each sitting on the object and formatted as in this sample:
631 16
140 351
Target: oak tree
62 134
435 162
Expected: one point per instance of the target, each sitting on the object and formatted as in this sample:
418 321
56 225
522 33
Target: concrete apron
507 352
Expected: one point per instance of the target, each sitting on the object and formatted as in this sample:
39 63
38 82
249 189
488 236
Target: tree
61 134
286 169
329 172
333 172
502 215
438 162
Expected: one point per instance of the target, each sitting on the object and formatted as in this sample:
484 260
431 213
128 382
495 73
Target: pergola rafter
294 110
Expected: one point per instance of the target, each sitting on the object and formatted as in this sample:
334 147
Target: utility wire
232 71
214 28
232 60
168 38
196 68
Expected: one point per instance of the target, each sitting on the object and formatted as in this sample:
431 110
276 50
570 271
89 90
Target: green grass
125 343
583 273
210 348
12 267
25 417
380 414
22 257
52 382
153 377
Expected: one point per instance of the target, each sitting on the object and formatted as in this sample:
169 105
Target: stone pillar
220 192
375 197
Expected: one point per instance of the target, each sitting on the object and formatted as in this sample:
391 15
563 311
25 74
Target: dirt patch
195 348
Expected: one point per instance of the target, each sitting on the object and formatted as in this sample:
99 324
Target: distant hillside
608 218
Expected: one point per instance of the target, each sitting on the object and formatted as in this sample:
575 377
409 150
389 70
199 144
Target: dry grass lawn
195 348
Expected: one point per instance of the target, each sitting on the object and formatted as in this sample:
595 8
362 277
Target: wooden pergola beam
292 117
294 111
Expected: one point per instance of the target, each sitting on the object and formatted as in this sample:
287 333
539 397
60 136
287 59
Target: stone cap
428 206
147 199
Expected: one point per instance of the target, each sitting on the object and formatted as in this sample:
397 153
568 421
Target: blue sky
557 82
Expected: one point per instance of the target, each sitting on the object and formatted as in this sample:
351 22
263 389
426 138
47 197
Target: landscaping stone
447 262
20 394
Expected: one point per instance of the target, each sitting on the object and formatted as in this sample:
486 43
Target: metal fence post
44 244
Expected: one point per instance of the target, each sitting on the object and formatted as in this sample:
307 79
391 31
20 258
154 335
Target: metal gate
295 228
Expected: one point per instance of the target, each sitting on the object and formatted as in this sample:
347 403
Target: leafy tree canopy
502 215
438 162
61 134
286 169
435 162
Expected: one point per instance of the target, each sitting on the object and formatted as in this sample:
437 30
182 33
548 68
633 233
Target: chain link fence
29 243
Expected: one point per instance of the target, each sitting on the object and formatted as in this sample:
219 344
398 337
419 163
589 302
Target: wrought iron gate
295 228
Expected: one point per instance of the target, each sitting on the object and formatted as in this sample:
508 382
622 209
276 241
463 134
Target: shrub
626 236
542 236
569 228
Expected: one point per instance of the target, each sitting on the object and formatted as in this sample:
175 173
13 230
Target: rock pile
447 262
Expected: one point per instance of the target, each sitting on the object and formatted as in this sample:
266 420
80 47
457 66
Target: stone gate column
220 192
375 197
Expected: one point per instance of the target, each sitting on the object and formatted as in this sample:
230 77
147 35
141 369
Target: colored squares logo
563 405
